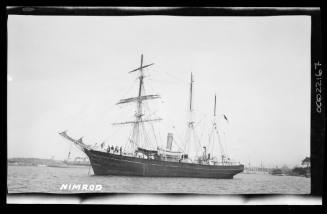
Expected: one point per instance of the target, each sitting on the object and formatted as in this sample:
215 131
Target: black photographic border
318 120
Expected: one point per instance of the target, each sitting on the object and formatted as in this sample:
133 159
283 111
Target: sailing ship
139 160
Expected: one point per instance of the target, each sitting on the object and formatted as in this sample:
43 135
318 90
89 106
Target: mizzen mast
216 131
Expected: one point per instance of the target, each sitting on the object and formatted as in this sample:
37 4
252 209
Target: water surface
22 179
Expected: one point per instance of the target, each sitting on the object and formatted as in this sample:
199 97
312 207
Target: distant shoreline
42 162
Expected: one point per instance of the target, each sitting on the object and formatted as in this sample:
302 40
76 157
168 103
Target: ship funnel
169 141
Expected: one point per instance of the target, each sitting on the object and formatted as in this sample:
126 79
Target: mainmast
191 122
191 137
214 108
135 140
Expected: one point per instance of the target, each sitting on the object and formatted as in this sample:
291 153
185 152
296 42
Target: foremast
138 122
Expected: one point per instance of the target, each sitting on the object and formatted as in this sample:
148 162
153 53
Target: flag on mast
225 118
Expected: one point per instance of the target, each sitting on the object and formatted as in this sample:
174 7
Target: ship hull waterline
113 164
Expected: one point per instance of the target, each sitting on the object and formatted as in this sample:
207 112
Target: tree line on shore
303 170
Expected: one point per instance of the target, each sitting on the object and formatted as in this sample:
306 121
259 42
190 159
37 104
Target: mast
191 136
135 140
214 114
215 132
223 155
138 115
191 122
191 88
214 109
139 101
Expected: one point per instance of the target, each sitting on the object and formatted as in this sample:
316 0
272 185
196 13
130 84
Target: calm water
49 180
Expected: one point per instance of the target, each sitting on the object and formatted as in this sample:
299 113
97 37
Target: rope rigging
143 137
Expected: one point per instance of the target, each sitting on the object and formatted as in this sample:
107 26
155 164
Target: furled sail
141 121
147 151
169 151
140 98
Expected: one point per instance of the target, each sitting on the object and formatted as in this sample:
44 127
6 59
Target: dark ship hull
113 164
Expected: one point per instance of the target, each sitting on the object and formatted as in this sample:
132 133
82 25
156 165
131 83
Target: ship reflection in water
49 179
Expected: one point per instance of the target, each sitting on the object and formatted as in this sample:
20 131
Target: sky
68 73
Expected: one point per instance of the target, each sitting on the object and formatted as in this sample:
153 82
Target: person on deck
116 149
121 150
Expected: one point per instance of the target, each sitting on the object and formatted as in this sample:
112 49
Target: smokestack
169 141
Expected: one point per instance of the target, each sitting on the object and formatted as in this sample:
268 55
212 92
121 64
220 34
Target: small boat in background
277 172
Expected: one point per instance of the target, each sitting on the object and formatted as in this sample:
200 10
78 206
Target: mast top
141 66
191 93
139 98
214 110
